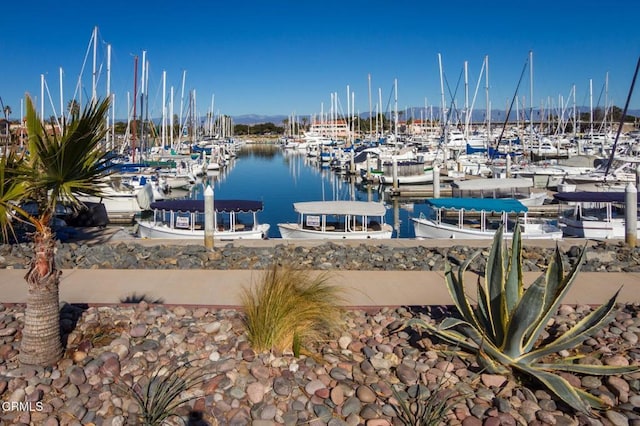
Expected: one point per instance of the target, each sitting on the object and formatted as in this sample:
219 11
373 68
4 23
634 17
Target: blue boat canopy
509 205
225 206
591 196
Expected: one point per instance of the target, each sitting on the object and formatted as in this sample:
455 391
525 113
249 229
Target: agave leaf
561 284
494 280
487 346
445 334
582 330
489 365
592 400
590 369
513 286
559 386
457 290
525 314
481 307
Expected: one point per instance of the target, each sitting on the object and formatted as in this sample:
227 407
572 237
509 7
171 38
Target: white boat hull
295 232
594 229
427 228
147 229
408 180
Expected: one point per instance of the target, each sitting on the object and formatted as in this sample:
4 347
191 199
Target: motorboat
518 188
185 219
479 218
338 220
597 215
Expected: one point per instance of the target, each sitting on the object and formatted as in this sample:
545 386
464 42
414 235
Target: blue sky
283 57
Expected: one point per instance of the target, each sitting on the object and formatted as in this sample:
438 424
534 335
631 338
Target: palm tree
74 108
57 170
7 112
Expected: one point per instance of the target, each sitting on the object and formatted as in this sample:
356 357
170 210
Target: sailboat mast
171 122
164 109
211 116
443 121
142 92
486 91
575 116
94 91
349 117
466 99
395 124
591 110
135 101
370 110
380 111
606 102
531 101
181 123
61 104
108 134
42 97
146 104
622 117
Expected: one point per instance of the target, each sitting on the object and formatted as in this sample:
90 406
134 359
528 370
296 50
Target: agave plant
503 328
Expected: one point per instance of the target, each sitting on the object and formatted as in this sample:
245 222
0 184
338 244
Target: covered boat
598 215
479 218
184 219
518 188
337 220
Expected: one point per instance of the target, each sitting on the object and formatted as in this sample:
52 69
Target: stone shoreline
604 256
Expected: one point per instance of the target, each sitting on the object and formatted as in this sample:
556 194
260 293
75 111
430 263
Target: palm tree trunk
41 343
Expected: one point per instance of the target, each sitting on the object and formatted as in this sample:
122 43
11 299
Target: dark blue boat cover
591 196
198 205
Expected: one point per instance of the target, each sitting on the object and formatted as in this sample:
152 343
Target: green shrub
502 327
290 308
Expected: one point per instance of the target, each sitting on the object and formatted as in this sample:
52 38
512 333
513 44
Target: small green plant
290 308
503 328
419 406
160 395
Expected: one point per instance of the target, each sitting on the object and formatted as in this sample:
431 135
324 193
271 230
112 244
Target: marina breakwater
393 255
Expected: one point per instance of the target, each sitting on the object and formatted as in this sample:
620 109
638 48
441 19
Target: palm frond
72 163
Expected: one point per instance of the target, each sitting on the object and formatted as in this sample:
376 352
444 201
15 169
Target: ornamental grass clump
502 327
291 308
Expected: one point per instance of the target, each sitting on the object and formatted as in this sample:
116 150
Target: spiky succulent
503 327
159 396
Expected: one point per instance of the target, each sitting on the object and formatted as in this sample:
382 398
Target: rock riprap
601 257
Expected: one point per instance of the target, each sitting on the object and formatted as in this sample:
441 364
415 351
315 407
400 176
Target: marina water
280 178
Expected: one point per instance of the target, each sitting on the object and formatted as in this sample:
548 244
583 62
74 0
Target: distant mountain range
415 113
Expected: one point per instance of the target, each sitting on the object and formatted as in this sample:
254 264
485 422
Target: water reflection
279 178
